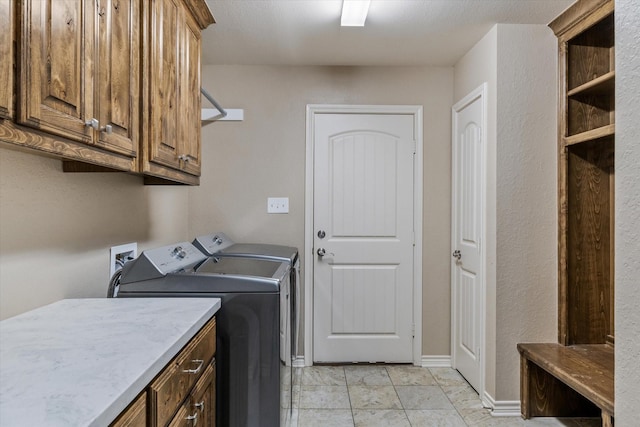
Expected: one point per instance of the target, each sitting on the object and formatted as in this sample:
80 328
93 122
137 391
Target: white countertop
80 362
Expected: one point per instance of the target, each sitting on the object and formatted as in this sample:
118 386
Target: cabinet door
56 76
6 58
165 53
190 97
203 398
117 100
199 408
135 415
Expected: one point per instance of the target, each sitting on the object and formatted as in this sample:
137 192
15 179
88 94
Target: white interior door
363 237
467 230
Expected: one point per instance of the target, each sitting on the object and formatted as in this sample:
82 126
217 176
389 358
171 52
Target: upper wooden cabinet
190 97
56 68
105 84
117 99
80 68
172 92
6 59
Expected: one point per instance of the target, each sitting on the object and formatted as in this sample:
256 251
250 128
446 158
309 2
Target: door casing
312 110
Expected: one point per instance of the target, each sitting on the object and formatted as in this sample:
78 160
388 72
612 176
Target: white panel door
467 197
363 223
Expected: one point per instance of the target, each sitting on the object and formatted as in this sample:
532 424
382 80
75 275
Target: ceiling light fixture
354 13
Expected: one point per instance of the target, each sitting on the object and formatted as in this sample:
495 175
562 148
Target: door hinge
415 146
413 330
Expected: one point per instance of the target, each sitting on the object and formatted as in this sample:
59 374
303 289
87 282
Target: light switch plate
278 205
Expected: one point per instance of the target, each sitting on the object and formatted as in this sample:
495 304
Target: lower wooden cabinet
199 409
184 392
175 383
135 415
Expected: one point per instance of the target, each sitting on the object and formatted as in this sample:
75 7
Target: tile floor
394 395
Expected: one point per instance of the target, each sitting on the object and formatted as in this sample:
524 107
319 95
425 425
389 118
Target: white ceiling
397 32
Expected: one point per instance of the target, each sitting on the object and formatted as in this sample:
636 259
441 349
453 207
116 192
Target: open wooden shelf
599 86
591 135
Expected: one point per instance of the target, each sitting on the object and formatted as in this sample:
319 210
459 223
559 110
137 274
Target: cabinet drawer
199 409
175 382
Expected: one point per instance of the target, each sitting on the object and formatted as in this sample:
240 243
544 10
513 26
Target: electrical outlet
119 255
278 205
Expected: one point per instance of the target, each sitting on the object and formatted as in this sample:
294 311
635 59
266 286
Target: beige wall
264 155
627 263
519 64
56 228
526 188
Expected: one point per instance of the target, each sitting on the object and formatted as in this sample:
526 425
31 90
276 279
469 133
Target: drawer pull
193 418
194 371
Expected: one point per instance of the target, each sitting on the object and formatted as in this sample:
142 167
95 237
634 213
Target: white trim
298 362
480 92
436 362
502 408
416 111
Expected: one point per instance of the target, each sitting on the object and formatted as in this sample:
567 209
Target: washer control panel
175 257
161 261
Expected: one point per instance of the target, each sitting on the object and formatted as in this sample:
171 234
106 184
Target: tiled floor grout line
449 398
400 400
346 382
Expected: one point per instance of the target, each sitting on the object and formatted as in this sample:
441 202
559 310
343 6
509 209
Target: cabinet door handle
194 371
199 406
193 418
107 129
93 123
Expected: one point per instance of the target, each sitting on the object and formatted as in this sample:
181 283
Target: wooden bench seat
567 381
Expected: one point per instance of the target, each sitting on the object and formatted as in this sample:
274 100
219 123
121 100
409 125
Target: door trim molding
479 92
416 112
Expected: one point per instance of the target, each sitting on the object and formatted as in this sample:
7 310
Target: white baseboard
436 361
298 362
501 408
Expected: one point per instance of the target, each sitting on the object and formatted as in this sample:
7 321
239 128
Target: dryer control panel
212 243
159 262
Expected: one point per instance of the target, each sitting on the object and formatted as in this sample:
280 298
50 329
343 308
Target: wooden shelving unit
586 173
586 190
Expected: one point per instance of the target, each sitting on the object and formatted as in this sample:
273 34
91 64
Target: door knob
457 255
322 252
